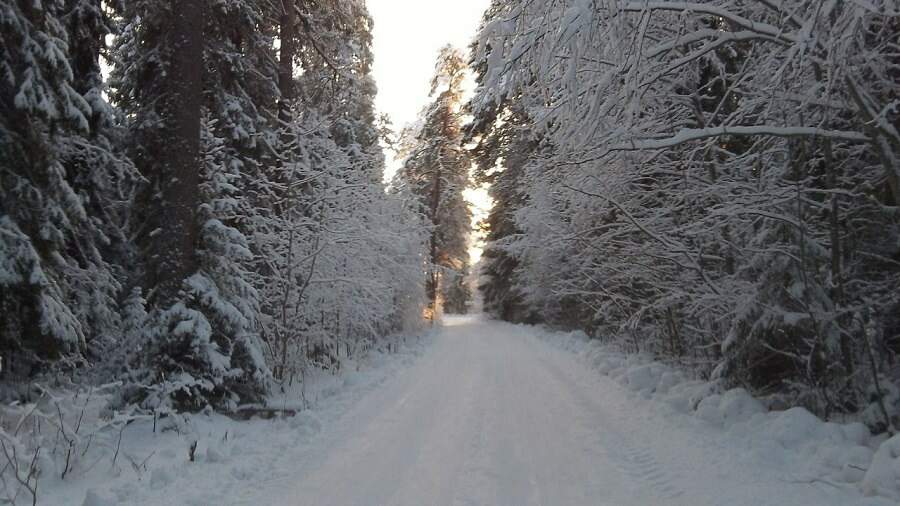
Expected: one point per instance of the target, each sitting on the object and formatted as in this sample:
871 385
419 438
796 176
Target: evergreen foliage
63 183
436 170
221 224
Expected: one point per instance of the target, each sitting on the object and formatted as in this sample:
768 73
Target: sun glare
480 203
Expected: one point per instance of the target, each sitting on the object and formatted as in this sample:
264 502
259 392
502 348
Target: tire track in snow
634 460
639 463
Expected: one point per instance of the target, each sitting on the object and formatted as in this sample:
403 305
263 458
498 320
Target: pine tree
437 171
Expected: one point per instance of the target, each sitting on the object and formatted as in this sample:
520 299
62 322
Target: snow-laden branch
717 35
698 7
693 134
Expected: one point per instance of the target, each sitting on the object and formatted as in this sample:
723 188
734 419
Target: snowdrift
840 454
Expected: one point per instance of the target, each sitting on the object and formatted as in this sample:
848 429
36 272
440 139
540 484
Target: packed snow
483 412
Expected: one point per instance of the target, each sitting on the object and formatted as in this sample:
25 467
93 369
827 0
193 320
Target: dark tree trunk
178 165
433 277
288 37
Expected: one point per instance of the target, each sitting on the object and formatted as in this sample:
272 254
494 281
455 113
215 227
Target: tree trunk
433 278
179 162
288 38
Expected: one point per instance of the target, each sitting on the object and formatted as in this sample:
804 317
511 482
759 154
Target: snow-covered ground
231 456
483 413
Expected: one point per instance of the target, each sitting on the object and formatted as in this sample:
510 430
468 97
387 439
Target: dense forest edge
193 204
714 183
194 216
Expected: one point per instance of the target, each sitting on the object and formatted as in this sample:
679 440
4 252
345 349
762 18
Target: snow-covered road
491 415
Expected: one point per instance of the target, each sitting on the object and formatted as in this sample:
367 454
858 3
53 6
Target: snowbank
883 475
822 451
152 458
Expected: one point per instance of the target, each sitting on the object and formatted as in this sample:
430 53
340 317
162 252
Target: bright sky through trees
408 36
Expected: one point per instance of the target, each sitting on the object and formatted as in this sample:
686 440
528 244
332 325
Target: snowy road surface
491 415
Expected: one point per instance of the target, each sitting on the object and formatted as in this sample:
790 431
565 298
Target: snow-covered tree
437 171
64 186
221 222
335 253
504 145
713 181
195 98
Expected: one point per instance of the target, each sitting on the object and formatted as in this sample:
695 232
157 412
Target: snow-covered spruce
64 189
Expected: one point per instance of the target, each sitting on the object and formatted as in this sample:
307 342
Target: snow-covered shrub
61 435
835 452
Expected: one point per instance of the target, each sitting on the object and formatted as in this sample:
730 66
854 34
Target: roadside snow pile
70 451
828 452
883 475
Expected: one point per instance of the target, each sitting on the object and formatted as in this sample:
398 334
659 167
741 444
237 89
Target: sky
408 35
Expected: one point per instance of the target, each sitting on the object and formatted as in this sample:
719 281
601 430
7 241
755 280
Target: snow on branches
713 181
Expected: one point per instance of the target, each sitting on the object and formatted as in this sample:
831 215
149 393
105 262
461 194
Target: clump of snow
856 433
850 462
738 405
708 409
794 427
92 498
883 475
306 422
686 396
668 380
725 410
160 477
643 378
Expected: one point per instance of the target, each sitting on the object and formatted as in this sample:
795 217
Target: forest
201 214
197 216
